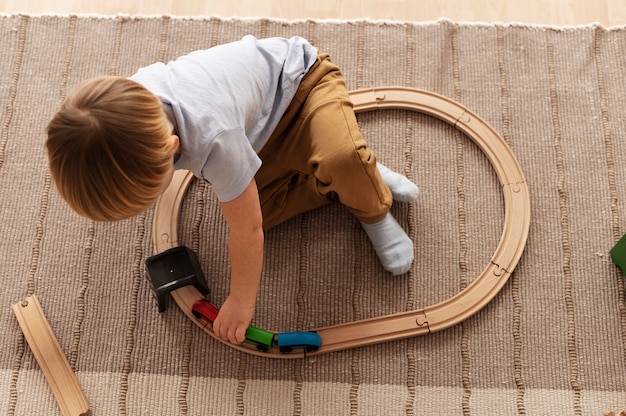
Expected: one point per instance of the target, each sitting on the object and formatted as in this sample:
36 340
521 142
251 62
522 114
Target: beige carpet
552 342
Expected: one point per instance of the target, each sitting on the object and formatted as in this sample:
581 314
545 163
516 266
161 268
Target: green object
262 339
618 253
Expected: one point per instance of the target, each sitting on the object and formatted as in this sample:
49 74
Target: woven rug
553 341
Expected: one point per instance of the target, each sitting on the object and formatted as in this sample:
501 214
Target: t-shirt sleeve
230 164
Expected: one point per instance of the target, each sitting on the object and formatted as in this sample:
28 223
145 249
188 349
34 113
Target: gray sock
393 247
402 189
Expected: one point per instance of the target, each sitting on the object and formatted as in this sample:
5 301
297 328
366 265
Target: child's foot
402 189
393 247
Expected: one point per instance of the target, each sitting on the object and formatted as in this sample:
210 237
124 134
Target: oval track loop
432 318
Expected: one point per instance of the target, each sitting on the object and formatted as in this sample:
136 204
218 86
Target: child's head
110 149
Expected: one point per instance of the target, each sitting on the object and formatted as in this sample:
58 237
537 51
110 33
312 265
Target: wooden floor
552 12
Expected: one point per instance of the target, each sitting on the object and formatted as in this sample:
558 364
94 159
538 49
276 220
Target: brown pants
317 154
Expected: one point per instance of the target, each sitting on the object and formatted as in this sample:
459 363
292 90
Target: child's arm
245 249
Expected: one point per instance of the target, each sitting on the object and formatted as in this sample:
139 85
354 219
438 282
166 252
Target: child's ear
174 144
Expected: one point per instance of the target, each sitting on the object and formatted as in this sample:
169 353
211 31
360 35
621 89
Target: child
268 123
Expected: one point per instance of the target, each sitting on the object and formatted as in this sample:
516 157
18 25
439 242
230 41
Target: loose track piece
50 357
432 318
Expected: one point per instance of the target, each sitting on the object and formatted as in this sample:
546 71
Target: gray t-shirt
226 101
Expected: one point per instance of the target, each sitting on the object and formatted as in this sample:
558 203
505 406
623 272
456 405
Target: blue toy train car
263 340
288 341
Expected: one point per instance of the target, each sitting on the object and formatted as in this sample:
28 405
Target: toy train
262 339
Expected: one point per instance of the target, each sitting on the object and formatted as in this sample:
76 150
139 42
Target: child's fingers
240 334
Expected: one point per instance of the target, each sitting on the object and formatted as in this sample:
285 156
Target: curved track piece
432 318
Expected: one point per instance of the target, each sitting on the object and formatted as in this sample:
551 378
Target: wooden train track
432 318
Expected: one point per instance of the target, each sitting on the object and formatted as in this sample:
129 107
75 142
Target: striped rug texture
553 341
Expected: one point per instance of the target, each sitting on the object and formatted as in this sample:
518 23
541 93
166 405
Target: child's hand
233 320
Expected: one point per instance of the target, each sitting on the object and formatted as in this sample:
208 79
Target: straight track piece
50 357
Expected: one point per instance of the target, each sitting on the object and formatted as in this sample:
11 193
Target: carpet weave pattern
553 341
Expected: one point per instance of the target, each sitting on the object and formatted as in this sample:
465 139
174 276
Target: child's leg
347 167
318 145
305 155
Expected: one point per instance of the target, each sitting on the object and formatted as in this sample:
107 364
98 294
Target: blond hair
108 148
